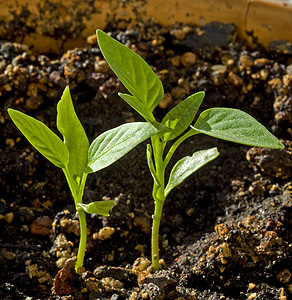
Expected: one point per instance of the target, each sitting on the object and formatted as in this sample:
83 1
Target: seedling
147 91
76 158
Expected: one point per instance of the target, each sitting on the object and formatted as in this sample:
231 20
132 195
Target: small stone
251 286
179 34
8 255
104 233
175 60
91 40
141 264
261 62
246 61
41 226
188 59
289 69
111 283
9 217
62 280
264 74
101 66
10 142
235 79
284 276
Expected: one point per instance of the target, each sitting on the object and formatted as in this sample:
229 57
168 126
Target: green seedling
76 158
146 92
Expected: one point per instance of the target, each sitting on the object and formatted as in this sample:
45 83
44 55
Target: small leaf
74 135
97 207
188 165
115 143
151 164
236 126
132 70
182 115
42 138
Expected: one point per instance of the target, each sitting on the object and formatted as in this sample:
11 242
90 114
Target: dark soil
225 232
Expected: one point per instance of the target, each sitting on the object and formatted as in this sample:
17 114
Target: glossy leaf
188 165
115 143
182 115
98 207
236 126
132 70
74 135
41 138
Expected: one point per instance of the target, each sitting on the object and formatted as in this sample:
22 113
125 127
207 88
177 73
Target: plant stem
158 196
155 234
83 238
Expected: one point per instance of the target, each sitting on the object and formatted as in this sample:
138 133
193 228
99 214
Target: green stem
83 238
176 145
83 226
158 196
155 234
77 189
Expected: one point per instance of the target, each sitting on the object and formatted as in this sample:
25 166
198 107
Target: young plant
147 91
76 158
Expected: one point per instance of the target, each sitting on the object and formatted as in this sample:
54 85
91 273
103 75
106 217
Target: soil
225 232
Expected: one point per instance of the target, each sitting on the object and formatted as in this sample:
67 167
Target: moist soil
225 232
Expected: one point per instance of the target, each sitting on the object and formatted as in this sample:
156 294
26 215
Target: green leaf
98 207
236 126
41 137
74 135
138 106
132 70
151 164
187 166
182 115
115 143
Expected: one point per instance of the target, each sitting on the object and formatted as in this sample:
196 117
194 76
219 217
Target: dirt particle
284 276
188 59
179 34
63 280
101 66
8 255
251 286
9 217
10 142
41 226
91 40
110 283
104 233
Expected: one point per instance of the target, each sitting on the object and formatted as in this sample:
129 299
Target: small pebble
104 233
188 59
41 226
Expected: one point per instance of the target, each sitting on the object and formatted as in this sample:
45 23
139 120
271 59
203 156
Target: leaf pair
74 153
223 123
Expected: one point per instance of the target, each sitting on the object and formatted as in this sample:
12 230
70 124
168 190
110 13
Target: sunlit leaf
187 166
115 143
236 126
74 135
132 70
182 115
42 138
